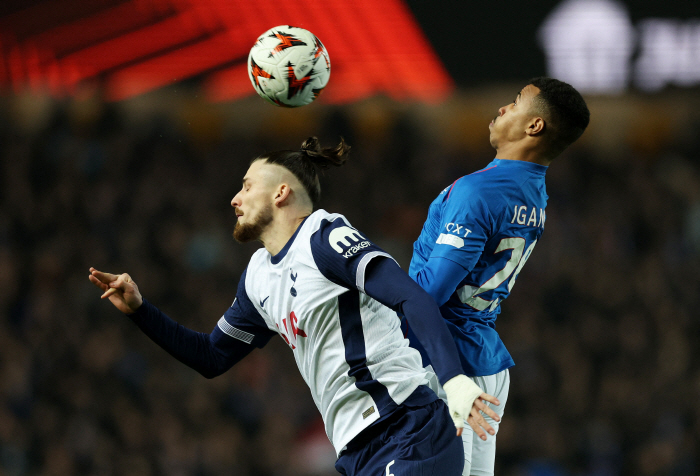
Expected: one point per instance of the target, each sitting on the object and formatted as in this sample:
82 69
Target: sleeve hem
362 268
141 312
448 259
449 375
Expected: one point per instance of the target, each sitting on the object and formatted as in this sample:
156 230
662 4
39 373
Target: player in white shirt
332 295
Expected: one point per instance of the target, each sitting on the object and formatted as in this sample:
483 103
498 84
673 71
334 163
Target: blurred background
127 125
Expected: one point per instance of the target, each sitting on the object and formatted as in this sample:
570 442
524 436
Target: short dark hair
565 112
303 162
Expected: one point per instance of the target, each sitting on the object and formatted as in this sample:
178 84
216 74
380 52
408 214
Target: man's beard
252 231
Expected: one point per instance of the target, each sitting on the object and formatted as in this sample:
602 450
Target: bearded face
253 227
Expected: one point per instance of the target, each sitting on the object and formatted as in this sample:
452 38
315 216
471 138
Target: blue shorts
412 441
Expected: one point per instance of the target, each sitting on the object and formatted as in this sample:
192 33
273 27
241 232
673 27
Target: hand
477 421
466 401
121 290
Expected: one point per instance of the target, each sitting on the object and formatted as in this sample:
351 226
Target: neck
513 152
280 232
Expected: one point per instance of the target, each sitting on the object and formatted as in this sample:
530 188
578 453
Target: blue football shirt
479 233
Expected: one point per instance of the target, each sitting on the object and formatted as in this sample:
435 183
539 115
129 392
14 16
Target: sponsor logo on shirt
348 237
454 235
451 240
262 303
457 229
356 248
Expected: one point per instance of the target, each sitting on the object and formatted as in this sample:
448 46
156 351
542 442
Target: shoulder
486 188
322 219
322 224
470 192
334 230
259 258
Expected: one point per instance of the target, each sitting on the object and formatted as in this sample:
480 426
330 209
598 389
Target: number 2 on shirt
470 295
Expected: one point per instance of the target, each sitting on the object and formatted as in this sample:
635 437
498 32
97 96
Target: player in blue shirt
482 229
332 295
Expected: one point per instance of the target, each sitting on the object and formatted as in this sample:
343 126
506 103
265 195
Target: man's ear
282 194
535 127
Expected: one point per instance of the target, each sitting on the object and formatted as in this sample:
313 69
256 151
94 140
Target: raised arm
234 336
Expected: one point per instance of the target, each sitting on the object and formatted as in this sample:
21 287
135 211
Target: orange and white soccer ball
289 66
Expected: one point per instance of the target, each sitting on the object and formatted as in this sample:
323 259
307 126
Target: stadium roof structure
131 47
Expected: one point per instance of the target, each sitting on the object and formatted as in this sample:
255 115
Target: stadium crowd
600 323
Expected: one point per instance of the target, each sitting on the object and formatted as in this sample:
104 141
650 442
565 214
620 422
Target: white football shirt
349 348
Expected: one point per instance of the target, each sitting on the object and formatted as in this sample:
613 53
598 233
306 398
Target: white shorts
480 455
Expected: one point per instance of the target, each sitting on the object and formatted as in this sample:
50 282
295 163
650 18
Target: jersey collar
283 252
520 164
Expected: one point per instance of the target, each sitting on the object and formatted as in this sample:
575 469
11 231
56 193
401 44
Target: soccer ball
288 66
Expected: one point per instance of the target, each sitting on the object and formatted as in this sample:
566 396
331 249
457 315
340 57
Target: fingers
110 283
108 293
123 282
489 398
458 421
477 416
476 427
121 290
103 277
478 421
98 283
486 409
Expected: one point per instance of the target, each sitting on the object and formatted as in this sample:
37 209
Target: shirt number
469 295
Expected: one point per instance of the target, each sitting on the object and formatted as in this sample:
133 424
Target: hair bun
311 146
325 157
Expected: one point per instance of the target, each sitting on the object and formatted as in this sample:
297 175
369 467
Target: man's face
253 204
512 120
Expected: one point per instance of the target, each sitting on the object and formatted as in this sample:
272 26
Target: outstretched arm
209 354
